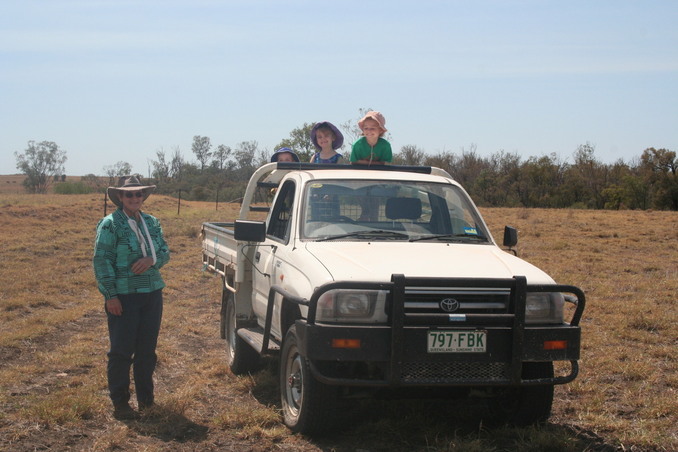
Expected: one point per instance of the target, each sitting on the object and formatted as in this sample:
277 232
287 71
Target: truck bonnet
377 261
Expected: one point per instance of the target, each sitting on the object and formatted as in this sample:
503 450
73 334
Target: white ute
372 279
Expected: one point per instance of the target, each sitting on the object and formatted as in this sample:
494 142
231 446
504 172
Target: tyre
240 357
526 405
308 406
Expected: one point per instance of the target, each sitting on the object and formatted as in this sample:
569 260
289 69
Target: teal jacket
116 248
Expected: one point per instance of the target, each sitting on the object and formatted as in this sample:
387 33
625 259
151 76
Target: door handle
257 256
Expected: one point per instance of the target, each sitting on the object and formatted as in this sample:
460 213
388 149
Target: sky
119 80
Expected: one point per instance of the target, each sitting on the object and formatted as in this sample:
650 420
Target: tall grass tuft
63 407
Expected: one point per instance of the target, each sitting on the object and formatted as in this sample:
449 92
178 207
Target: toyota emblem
449 305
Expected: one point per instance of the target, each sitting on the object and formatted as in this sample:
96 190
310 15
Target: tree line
503 179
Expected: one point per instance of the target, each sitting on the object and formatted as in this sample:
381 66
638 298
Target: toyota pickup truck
367 280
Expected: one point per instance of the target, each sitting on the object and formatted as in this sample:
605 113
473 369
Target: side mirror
510 238
250 231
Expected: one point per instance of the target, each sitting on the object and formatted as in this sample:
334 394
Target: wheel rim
294 383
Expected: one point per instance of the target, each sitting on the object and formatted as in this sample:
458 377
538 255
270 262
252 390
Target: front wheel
526 405
308 405
240 357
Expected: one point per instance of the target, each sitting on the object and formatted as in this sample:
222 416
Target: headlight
544 307
352 306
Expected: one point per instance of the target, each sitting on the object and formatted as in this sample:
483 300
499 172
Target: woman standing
128 253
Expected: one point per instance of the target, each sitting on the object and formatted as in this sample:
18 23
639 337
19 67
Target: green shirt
116 248
381 152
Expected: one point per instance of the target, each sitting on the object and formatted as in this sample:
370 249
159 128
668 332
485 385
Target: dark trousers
134 336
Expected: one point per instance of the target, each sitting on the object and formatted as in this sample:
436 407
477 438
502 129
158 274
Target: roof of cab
276 171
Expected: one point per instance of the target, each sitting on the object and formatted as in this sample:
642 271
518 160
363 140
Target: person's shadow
167 425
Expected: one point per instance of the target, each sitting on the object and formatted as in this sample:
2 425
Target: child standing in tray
371 148
327 139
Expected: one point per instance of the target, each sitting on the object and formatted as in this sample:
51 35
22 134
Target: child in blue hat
285 155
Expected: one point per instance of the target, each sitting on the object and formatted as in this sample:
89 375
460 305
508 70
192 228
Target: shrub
72 188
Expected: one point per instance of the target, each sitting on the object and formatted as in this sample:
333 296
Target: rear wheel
240 357
308 405
526 405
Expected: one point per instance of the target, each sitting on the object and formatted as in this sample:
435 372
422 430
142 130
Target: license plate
456 341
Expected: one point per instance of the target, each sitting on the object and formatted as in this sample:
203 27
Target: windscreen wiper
458 237
374 233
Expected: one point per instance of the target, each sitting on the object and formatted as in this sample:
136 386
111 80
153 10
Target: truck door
266 264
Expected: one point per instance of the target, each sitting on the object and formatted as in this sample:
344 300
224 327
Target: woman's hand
113 306
142 265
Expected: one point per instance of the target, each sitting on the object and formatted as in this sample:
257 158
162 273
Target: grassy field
12 184
53 343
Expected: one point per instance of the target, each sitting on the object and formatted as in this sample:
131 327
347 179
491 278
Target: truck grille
461 300
446 372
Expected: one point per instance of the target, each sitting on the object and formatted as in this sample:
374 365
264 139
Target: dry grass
627 263
12 184
53 342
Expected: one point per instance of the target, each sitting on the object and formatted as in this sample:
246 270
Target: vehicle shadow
452 424
431 424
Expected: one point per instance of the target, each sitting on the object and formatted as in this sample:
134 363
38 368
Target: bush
72 188
200 193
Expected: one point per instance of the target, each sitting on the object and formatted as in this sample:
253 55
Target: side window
280 219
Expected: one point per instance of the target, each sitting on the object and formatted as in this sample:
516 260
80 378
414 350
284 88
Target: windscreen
389 210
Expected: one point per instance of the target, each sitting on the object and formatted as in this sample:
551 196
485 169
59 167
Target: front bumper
373 364
396 354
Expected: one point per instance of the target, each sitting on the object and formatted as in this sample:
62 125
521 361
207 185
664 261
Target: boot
124 412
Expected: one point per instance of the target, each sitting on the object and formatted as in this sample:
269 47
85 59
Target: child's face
285 157
324 139
371 129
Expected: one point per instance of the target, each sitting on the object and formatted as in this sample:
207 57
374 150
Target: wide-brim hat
128 183
338 137
377 117
276 154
